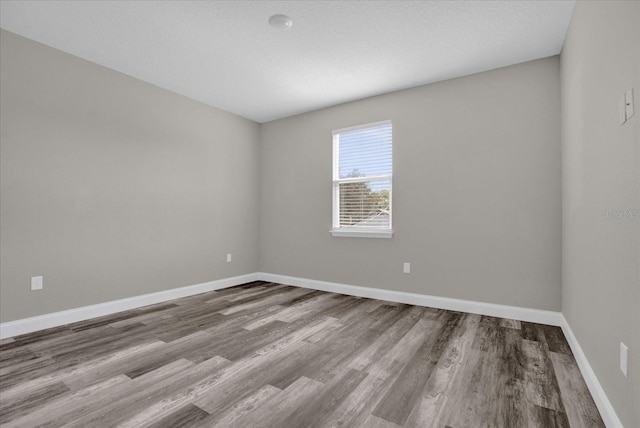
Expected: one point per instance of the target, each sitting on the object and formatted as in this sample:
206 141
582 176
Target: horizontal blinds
362 177
365 204
364 152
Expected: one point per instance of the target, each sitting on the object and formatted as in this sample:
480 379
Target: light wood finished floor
269 355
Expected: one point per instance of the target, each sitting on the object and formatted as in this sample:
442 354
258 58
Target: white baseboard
28 325
490 309
605 408
607 412
55 319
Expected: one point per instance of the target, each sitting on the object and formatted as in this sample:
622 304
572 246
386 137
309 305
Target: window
362 176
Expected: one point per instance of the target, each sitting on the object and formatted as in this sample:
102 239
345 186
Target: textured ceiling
225 54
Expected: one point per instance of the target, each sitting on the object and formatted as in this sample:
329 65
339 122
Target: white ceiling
225 54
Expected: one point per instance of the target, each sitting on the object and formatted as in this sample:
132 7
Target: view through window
362 178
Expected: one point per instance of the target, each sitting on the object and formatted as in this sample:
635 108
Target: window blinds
362 177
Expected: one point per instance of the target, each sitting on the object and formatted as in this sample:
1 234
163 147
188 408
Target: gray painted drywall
477 209
112 187
601 173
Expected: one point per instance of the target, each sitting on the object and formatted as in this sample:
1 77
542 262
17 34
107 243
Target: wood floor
268 355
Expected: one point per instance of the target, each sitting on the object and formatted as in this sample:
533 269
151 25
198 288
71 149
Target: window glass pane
365 152
365 204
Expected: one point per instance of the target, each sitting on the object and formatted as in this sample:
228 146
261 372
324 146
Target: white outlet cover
36 282
624 359
406 268
228 257
626 106
622 109
628 103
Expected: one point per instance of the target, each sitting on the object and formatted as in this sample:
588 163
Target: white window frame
348 232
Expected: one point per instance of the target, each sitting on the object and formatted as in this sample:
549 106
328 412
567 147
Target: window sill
346 233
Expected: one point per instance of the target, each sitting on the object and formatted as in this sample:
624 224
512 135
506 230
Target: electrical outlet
36 283
626 106
228 257
406 268
628 103
624 359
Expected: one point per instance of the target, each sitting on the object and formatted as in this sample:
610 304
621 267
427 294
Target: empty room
373 214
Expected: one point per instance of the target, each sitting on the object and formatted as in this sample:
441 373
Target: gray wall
111 187
477 209
601 172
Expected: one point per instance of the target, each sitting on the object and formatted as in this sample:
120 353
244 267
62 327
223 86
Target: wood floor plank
43 414
320 336
15 407
390 337
74 370
23 371
399 401
252 294
110 408
91 344
194 347
218 391
186 416
275 412
390 315
129 406
16 355
377 422
249 292
438 397
264 367
315 302
349 309
556 340
240 380
310 413
6 341
541 417
509 323
84 406
532 331
541 389
312 295
174 328
357 407
230 325
272 355
174 396
406 347
475 402
577 401
494 393
510 409
266 299
244 342
43 335
146 319
241 407
488 337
